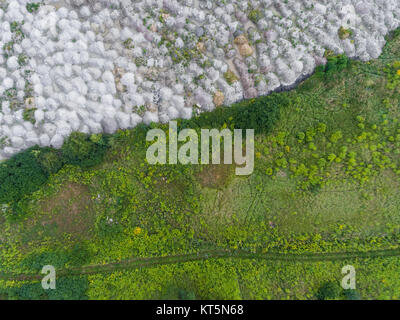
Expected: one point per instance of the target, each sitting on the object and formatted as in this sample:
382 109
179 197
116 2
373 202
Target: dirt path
209 254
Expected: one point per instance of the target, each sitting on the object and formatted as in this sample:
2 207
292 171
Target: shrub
329 291
336 64
108 229
352 295
84 150
20 175
255 15
68 288
16 210
35 261
78 255
176 293
29 115
32 7
344 33
50 160
259 114
230 77
336 136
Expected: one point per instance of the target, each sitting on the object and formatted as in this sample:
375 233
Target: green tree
83 150
329 291
21 175
50 160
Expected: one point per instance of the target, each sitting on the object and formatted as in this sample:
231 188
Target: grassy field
326 181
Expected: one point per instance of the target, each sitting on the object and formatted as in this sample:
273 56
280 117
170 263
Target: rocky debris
218 99
100 65
245 49
245 79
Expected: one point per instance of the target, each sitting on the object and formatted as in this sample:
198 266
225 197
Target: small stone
165 16
219 98
240 40
153 27
120 87
199 32
30 102
230 54
245 50
57 141
201 47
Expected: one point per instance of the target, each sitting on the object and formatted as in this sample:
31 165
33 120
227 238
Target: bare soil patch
70 210
216 176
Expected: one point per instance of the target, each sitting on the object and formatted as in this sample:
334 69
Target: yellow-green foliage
344 33
326 182
230 77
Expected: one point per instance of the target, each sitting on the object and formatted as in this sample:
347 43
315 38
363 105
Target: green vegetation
128 43
83 150
324 194
68 288
230 77
255 15
393 73
344 33
25 172
32 7
335 64
29 115
329 291
20 175
259 114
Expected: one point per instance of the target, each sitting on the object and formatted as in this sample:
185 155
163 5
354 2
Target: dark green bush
335 64
27 171
320 69
84 150
78 255
106 229
255 16
329 291
32 7
352 294
177 293
21 175
17 210
50 160
259 114
67 288
34 262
